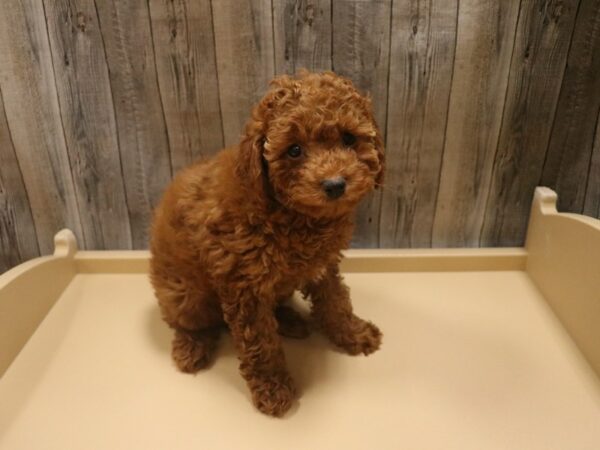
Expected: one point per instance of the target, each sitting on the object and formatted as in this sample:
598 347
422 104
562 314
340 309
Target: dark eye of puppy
294 151
348 139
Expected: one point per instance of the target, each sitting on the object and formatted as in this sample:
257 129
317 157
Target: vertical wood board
33 116
245 59
539 57
187 73
570 149
18 239
592 194
145 157
485 38
87 115
302 35
421 61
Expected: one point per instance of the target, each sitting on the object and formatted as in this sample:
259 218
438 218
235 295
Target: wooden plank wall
422 49
102 101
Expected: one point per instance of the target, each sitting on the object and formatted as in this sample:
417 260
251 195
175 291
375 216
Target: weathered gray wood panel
480 101
87 115
361 52
187 74
302 35
245 59
537 68
592 194
142 134
421 58
484 47
569 153
32 111
18 239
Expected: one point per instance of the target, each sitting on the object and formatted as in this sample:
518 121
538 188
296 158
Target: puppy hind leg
194 313
197 330
194 350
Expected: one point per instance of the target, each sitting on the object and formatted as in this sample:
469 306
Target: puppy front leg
332 310
262 363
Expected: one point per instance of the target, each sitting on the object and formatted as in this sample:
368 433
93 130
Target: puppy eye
294 151
348 139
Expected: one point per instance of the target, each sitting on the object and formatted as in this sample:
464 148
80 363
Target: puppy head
313 145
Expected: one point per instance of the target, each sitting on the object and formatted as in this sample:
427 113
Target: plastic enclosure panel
564 262
28 292
482 348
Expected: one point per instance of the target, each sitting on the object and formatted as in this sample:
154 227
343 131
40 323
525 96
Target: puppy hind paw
273 394
192 352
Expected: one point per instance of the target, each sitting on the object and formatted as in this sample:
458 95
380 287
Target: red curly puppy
234 236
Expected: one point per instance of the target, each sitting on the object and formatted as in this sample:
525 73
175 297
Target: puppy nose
334 187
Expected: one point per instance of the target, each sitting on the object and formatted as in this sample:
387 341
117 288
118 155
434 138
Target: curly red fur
236 235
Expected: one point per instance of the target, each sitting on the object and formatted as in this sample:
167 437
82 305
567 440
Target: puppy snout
334 187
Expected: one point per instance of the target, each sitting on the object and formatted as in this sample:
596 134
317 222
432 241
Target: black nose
334 187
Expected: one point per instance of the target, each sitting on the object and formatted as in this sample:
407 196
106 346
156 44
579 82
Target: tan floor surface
469 361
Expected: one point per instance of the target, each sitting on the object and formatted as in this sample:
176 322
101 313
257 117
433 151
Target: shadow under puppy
234 236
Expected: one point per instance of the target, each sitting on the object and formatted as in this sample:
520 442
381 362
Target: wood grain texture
361 46
480 101
32 111
245 59
484 47
87 114
421 58
125 28
592 194
187 73
302 35
538 62
571 141
18 239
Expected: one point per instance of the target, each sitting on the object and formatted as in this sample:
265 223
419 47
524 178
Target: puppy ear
379 146
376 140
250 168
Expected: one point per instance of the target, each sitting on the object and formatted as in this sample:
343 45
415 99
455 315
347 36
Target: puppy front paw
273 394
357 336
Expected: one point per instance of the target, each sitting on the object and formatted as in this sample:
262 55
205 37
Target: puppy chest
275 254
297 267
